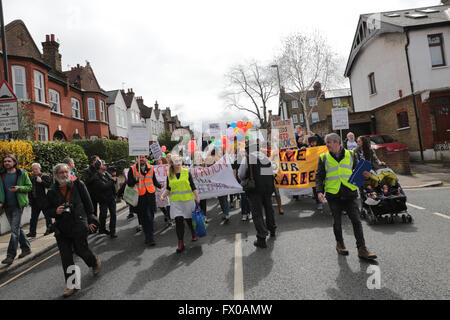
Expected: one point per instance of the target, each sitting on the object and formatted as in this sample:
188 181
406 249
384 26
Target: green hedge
109 150
48 154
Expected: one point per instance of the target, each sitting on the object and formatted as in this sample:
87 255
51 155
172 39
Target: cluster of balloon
239 130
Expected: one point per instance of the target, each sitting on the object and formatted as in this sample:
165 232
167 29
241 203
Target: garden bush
21 149
48 154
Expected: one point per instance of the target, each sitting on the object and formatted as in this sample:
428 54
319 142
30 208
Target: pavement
424 175
39 245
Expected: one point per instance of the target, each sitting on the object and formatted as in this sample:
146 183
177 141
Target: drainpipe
414 97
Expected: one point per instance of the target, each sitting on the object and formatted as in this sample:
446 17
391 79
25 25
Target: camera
67 207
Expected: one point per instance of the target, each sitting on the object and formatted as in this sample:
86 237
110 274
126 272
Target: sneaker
8 261
104 231
130 216
319 206
47 232
150 243
31 235
244 217
24 254
138 229
226 220
260 243
113 236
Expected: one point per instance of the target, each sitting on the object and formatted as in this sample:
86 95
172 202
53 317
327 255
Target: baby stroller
383 199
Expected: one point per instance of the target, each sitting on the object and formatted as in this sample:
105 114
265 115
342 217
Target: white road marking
441 215
414 206
238 269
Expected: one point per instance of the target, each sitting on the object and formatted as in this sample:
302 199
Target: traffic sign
9 115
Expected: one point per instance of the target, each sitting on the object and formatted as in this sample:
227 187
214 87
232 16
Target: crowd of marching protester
75 207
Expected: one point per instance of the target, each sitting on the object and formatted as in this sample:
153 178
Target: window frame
338 100
402 119
42 126
294 118
90 110
315 104
372 84
294 106
441 45
24 74
40 90
312 118
58 103
72 100
102 111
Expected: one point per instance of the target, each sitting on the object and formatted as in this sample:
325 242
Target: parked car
381 140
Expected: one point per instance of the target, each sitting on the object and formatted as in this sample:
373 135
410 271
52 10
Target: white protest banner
155 148
214 131
211 182
339 117
138 139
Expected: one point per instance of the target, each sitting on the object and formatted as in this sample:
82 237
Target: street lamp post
279 87
4 54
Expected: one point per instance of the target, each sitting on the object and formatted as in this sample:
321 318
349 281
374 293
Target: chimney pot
47 38
53 37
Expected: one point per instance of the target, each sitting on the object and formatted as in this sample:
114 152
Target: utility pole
5 55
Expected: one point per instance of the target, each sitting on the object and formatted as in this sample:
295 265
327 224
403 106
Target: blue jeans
14 215
35 211
111 205
223 201
147 222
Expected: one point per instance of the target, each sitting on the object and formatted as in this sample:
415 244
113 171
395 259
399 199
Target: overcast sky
178 51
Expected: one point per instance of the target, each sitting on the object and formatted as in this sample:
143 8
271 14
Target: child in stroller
383 197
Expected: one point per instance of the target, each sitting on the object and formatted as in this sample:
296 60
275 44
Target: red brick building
66 105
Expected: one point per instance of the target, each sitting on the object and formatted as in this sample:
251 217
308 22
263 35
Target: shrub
109 150
49 154
21 149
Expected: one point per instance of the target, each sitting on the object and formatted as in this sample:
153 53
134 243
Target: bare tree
249 88
306 60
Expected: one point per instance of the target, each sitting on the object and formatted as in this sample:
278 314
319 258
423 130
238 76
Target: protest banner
138 139
286 139
297 168
156 150
211 182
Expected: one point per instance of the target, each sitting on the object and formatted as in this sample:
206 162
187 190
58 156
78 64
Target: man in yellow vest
334 170
146 182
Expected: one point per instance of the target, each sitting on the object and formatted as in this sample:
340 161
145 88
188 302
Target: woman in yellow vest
182 191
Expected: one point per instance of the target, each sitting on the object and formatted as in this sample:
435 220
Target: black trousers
68 245
258 202
179 226
351 206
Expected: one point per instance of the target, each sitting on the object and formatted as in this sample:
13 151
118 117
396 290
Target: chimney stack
51 54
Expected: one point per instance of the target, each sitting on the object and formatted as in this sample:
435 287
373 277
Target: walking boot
68 292
260 243
363 253
180 246
340 248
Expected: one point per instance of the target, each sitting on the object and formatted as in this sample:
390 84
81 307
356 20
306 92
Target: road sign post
9 114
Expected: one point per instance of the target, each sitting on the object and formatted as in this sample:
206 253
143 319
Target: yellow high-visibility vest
180 189
338 172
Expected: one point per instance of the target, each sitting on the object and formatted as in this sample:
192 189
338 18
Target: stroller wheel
391 220
410 219
403 218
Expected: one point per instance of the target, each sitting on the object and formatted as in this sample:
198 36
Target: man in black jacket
258 167
37 197
104 185
89 176
69 203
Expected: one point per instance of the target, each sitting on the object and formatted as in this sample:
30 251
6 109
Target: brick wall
398 161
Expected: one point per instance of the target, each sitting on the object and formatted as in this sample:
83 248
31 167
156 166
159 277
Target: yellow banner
297 169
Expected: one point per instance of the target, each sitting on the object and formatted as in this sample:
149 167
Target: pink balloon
163 148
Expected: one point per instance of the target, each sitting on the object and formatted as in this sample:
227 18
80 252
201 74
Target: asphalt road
301 263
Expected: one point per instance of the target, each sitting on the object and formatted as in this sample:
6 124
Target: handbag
198 221
249 185
131 195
